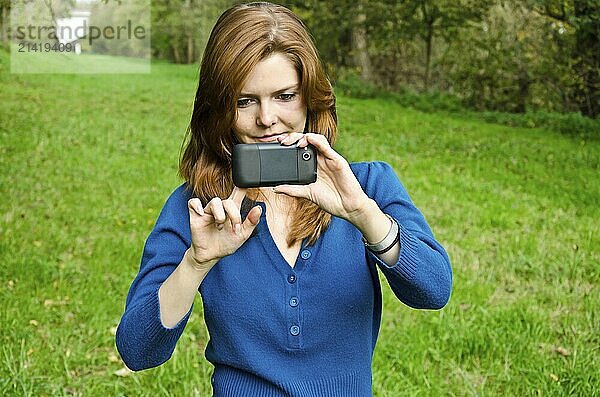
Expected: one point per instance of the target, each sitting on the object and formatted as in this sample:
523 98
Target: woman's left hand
336 190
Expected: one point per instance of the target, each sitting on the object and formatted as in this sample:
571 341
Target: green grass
88 160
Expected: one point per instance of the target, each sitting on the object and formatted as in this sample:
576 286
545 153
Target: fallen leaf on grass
554 377
123 372
51 303
35 323
562 351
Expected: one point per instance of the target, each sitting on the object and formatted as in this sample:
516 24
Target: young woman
288 275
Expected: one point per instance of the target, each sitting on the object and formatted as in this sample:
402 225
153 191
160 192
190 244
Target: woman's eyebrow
292 87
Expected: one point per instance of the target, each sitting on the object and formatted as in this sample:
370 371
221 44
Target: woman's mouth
270 138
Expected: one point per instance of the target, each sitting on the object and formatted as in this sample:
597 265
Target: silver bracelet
388 241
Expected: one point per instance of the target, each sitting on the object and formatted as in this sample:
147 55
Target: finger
233 213
237 195
302 142
290 138
321 143
215 208
302 191
195 205
252 219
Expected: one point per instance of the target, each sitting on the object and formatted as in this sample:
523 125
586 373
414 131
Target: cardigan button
294 330
293 301
305 254
291 278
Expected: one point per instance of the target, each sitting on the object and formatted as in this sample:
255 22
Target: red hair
243 36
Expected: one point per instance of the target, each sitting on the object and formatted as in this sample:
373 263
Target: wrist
196 264
373 223
363 216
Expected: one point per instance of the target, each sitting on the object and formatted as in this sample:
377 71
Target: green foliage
180 29
582 17
116 14
507 56
330 23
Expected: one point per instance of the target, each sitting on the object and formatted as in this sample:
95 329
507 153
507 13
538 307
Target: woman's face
270 102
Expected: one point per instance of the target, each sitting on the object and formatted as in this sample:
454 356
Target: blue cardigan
275 330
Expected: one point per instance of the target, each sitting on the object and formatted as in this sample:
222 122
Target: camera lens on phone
306 156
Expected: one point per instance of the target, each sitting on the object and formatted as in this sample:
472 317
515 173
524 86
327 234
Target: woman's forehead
272 74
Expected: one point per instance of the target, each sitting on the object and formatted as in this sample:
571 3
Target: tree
5 6
426 20
583 18
181 28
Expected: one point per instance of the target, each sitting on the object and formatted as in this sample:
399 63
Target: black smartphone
272 164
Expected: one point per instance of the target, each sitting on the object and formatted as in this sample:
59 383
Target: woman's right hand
217 229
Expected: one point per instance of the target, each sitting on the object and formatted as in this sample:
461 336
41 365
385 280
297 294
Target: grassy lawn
87 161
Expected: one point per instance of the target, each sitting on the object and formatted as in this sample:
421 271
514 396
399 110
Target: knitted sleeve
422 277
142 340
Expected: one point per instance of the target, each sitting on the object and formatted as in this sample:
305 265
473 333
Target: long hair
243 36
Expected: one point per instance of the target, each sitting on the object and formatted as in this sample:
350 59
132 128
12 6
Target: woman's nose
266 115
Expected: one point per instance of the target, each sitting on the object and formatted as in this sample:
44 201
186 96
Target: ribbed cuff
141 339
159 341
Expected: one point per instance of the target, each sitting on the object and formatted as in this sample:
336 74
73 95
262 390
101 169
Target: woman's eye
244 102
287 97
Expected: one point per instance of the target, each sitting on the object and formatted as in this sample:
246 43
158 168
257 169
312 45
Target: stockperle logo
80 36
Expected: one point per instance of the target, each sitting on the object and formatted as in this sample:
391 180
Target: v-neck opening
271 247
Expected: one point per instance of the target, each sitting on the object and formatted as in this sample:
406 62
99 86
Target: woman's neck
277 202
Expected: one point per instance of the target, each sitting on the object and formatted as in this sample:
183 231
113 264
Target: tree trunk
430 15
190 50
523 81
429 40
176 53
587 54
359 45
4 20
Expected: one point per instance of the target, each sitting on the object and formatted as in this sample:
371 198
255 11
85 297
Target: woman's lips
271 138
